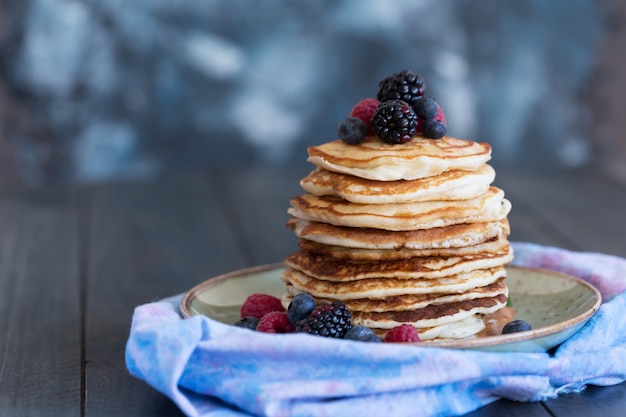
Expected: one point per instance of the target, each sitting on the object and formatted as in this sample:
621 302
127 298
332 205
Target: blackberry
404 85
328 320
352 130
394 122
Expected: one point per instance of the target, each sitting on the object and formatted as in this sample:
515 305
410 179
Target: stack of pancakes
412 233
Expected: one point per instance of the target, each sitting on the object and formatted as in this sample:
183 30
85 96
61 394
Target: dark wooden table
74 262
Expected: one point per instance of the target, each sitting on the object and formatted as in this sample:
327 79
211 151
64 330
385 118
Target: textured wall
101 89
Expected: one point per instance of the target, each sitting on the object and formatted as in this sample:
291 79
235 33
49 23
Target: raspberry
275 322
257 305
403 85
404 333
394 122
440 117
328 320
352 130
364 110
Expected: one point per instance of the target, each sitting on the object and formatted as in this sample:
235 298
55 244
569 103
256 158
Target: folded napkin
211 369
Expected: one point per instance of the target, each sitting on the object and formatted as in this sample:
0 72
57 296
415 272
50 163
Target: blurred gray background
101 90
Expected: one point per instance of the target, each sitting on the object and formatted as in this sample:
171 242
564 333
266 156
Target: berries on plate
352 130
258 305
404 85
328 320
405 333
301 306
394 122
248 322
516 326
275 322
364 110
362 334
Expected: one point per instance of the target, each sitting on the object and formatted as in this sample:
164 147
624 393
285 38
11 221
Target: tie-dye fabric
210 369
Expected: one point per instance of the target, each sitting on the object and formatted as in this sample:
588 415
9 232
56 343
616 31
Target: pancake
432 315
454 236
419 158
378 288
410 216
450 185
341 252
409 301
331 269
460 329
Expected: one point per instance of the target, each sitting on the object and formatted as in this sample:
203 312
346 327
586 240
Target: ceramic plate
555 305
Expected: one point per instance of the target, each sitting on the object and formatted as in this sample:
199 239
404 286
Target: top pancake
450 185
419 158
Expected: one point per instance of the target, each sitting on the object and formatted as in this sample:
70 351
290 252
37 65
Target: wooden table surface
74 262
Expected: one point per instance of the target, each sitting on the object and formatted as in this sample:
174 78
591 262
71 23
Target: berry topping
433 129
275 322
404 333
362 334
247 322
258 305
516 326
328 320
440 116
426 108
394 122
301 306
404 85
352 130
364 110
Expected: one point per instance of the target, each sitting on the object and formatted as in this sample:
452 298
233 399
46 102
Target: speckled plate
556 305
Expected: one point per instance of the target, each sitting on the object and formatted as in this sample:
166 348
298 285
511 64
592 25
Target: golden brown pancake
377 288
410 216
450 185
454 236
409 301
432 315
356 254
420 158
463 328
339 270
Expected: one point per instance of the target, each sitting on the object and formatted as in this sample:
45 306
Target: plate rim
488 341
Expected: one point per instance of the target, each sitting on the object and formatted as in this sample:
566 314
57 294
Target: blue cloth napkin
211 369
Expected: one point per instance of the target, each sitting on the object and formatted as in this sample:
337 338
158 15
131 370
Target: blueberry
300 307
352 130
433 129
247 322
426 107
516 326
361 333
